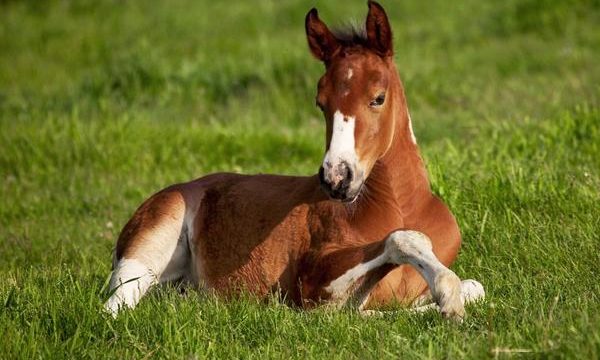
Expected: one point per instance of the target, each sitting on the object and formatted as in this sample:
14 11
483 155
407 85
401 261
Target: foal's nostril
350 174
345 183
347 176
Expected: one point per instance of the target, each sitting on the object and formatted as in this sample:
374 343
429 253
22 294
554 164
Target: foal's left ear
379 32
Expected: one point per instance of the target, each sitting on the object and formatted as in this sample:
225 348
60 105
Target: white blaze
341 147
349 74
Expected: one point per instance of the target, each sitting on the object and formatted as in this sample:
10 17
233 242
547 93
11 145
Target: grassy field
104 102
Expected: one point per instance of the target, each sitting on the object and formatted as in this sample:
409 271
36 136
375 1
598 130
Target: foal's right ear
321 41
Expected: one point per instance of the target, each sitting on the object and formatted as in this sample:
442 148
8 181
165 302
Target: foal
364 232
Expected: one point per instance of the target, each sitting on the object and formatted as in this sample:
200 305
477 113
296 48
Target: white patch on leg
349 74
340 287
415 248
130 281
471 291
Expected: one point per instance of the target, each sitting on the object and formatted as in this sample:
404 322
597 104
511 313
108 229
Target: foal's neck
398 181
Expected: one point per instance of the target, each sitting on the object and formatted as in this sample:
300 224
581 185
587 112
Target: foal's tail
152 248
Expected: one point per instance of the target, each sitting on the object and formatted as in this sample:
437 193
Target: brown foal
365 231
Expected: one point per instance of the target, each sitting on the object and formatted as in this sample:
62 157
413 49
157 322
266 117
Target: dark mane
351 34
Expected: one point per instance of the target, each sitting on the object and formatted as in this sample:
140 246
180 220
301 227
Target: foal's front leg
400 247
414 248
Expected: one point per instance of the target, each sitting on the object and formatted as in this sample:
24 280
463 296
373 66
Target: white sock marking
339 287
416 249
131 279
471 290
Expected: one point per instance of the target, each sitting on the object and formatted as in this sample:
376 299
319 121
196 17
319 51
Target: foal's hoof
448 296
472 291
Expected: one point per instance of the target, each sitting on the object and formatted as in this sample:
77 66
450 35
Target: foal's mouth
344 191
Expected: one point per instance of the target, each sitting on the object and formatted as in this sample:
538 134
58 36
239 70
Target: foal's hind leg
152 248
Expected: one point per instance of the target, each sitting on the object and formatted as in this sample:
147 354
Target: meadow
102 103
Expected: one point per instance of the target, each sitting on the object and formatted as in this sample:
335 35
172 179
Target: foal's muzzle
337 180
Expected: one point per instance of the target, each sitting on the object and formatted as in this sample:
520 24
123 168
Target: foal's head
356 97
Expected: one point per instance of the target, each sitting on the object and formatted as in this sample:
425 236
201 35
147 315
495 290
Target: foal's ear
379 32
321 41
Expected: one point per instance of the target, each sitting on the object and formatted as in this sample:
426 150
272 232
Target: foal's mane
351 34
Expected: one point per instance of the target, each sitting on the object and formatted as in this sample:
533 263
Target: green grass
103 103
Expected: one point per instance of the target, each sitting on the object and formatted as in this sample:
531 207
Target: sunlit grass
103 103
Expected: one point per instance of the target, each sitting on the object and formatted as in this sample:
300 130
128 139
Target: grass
103 103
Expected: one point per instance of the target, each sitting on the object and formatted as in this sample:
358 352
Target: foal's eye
378 101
